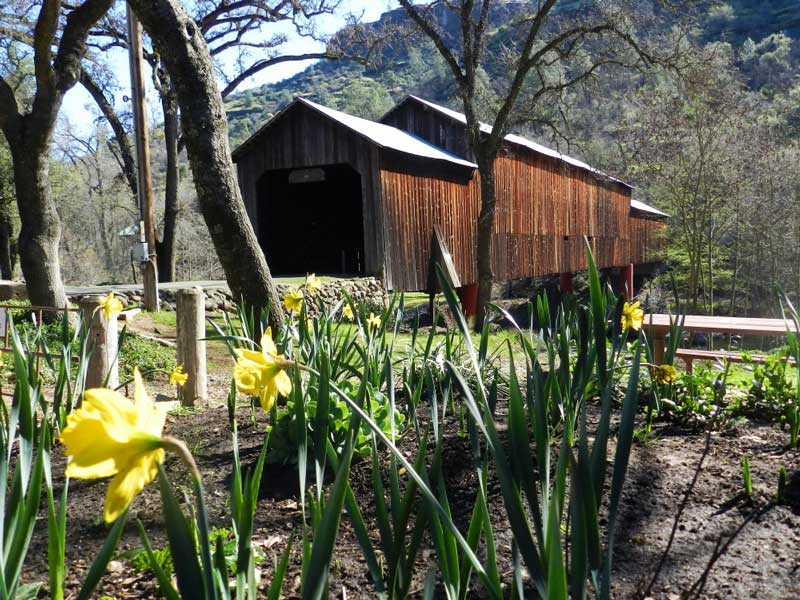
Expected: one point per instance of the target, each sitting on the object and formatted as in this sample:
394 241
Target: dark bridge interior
311 220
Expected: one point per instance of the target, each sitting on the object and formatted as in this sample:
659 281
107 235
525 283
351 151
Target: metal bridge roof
384 136
638 205
518 140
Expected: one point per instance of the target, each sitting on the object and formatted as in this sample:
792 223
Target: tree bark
40 228
29 136
183 50
165 248
485 236
7 243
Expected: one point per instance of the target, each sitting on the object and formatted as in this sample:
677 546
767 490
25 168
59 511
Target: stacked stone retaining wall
367 290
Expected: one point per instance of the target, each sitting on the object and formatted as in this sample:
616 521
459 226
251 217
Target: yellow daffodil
632 317
373 321
178 377
664 374
313 283
293 301
262 373
110 306
347 313
110 436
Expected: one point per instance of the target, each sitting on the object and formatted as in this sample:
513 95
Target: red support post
468 295
626 281
565 283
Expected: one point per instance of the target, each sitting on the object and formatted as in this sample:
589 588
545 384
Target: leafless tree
548 51
238 39
58 42
185 56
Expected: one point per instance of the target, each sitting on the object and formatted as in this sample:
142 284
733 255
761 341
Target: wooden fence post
191 320
102 342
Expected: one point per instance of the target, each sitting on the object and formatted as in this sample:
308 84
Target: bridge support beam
468 294
565 283
626 281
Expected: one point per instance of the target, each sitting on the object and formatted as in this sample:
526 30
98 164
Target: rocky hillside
416 69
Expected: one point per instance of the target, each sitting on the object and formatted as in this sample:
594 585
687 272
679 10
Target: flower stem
179 447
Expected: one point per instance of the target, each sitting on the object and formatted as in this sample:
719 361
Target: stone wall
367 290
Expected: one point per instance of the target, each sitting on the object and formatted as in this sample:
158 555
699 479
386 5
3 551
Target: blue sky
79 110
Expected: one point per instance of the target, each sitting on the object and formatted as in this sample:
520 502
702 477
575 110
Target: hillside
370 92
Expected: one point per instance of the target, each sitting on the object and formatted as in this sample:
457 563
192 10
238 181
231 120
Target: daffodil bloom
110 436
664 374
373 321
178 377
110 305
313 283
261 373
632 317
293 301
347 313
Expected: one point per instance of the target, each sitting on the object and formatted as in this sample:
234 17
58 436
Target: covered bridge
333 193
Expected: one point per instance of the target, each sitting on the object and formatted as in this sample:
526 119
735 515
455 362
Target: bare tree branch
45 30
125 149
263 64
73 41
428 29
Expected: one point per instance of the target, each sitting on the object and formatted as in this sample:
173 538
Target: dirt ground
757 541
725 545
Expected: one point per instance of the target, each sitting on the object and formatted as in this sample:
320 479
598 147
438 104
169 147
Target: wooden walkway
659 325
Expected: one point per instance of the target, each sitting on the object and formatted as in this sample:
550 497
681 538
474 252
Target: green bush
769 394
283 433
696 398
770 391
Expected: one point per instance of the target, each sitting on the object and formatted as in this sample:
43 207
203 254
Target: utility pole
147 229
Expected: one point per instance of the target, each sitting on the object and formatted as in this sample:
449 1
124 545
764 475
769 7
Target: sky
78 111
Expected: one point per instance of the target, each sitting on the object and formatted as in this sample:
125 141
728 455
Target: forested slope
718 147
416 68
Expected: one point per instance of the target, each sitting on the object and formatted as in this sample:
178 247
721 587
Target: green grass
151 358
164 317
740 374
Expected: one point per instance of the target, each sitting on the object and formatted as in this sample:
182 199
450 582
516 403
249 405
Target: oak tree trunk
485 234
7 242
40 227
183 51
29 133
165 248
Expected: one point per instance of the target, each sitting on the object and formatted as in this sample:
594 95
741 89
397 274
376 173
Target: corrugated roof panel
638 205
518 140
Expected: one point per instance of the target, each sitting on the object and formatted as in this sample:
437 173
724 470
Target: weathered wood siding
648 240
413 203
302 138
544 210
546 207
430 125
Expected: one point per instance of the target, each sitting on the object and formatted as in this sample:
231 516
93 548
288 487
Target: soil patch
758 540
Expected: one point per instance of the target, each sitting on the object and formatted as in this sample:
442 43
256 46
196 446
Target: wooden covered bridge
332 193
